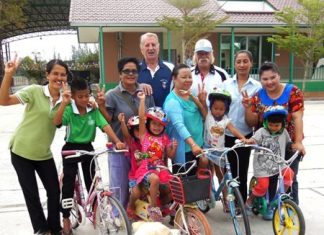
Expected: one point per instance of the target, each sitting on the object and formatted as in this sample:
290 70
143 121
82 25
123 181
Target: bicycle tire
196 221
294 222
237 210
203 206
116 220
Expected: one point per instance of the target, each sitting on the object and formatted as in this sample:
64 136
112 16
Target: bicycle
188 218
288 217
234 198
100 206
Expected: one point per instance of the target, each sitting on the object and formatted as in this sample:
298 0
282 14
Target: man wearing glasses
154 71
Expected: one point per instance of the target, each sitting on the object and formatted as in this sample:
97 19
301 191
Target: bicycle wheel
203 206
110 216
196 221
238 214
293 221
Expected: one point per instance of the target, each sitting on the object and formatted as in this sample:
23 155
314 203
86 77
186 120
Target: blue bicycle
287 217
233 198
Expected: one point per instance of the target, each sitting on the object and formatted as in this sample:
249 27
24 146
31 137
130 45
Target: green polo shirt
34 135
81 129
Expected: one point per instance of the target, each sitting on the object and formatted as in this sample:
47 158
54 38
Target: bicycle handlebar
67 154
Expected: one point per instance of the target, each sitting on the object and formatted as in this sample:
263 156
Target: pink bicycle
100 206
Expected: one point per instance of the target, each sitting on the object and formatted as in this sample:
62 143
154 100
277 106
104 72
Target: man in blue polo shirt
154 71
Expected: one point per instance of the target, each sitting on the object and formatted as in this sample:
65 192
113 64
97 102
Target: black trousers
242 159
70 169
47 172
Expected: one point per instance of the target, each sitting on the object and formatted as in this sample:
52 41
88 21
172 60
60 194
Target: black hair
268 66
248 53
220 97
79 84
176 69
121 63
148 123
51 63
131 131
277 118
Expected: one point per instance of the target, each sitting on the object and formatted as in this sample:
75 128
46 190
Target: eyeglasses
130 71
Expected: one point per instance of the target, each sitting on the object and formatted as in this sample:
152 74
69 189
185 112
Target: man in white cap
204 72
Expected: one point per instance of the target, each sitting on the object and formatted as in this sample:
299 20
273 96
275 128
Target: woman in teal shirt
30 144
186 123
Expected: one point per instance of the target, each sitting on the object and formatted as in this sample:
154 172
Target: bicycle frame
96 189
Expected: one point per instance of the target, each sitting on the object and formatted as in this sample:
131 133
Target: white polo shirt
211 80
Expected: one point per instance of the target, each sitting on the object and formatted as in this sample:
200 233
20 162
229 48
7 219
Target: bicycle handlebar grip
68 152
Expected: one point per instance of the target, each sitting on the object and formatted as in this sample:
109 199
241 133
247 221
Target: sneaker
154 213
268 215
67 229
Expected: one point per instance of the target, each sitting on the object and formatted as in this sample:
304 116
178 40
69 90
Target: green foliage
86 60
33 70
194 22
303 33
83 55
11 12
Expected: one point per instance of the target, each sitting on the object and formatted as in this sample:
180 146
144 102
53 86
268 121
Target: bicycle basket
188 189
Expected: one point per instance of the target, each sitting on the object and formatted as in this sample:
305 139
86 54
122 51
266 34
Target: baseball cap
203 45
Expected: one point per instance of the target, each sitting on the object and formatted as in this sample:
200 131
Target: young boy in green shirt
81 122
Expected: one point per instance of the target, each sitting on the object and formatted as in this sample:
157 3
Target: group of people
158 111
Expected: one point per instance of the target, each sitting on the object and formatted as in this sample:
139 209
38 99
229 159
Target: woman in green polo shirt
30 144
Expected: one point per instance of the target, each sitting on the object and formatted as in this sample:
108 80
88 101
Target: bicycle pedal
67 203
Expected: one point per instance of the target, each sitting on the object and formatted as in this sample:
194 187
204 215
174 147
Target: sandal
154 213
67 229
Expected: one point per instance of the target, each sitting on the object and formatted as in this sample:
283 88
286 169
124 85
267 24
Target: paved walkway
14 216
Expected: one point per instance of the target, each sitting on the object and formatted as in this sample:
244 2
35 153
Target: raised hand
121 117
11 66
141 95
66 95
202 93
100 98
246 100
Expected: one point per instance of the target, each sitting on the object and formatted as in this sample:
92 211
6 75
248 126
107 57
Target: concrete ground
14 217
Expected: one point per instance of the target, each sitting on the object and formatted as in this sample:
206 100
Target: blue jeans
119 166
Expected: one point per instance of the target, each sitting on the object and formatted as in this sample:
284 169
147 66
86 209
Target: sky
45 46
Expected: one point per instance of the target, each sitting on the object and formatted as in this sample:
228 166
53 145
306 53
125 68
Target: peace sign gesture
202 93
66 95
100 97
246 100
11 66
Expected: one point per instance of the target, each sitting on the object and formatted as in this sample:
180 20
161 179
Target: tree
303 34
194 22
34 70
11 13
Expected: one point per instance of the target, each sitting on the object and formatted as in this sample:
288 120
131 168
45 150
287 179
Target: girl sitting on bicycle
216 122
274 136
81 122
131 137
155 146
